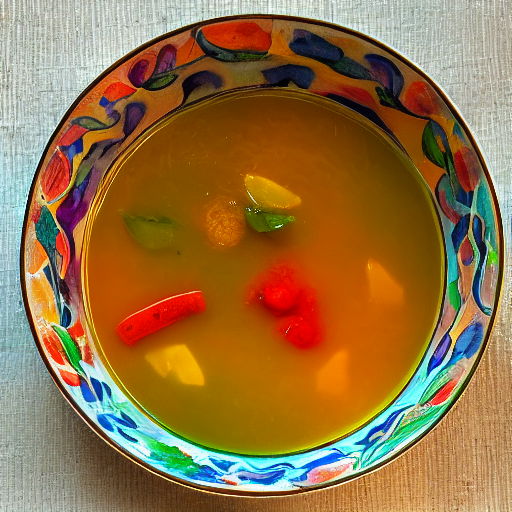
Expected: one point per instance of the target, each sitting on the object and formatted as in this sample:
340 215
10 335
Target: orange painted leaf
118 90
52 344
238 35
62 245
71 135
55 177
418 98
71 379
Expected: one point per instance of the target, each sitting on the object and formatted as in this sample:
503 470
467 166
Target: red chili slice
160 315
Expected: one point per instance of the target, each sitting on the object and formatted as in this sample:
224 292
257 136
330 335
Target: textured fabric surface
49 51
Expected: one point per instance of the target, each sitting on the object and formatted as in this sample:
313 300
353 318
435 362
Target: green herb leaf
151 232
264 222
70 348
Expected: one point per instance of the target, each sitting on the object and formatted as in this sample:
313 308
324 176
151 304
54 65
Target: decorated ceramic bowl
213 57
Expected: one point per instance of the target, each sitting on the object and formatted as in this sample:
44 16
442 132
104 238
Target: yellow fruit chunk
382 287
332 377
269 195
177 360
225 222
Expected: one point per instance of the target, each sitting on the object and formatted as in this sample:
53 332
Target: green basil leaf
152 233
264 222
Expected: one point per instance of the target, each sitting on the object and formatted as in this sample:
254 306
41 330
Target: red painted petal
238 35
420 99
447 209
443 394
71 379
118 90
62 245
467 168
53 345
76 330
56 176
466 252
72 134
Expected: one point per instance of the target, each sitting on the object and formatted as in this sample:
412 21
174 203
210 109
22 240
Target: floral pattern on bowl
215 57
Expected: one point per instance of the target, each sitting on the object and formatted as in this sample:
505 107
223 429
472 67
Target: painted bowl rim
457 115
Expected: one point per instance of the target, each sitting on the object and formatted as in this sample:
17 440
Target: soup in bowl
262 255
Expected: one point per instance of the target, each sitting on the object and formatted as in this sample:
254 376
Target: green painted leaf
160 81
484 206
84 169
432 145
454 294
226 55
386 98
351 68
152 233
492 255
264 222
403 432
46 230
90 123
70 348
171 456
442 378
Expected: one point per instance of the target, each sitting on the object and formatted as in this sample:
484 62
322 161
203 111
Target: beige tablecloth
49 51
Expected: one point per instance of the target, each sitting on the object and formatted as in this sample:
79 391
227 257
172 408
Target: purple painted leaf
137 73
310 45
200 79
166 59
386 73
282 76
439 352
133 114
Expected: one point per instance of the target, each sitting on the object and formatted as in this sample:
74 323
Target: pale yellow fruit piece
332 376
383 288
179 361
270 195
224 222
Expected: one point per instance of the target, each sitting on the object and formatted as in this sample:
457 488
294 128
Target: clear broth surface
364 210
